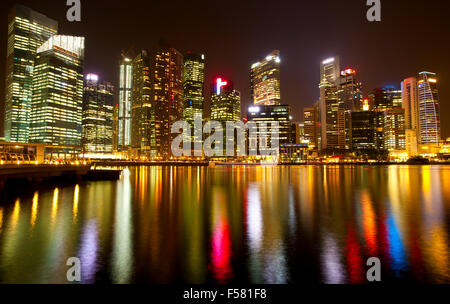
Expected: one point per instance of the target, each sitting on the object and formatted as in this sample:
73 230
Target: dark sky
413 36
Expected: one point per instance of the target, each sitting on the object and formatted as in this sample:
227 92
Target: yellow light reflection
34 209
1 219
15 214
76 194
55 204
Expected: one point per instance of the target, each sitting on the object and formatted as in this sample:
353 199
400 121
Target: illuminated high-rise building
265 80
193 84
98 111
56 106
225 106
225 102
27 31
394 129
125 101
142 109
350 99
429 113
387 103
410 102
311 125
167 95
331 108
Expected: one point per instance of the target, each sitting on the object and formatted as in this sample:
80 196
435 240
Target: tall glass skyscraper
193 85
429 114
142 109
265 80
167 95
27 31
98 109
125 100
56 107
332 117
225 102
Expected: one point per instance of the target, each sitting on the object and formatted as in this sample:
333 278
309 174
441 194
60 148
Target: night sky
413 36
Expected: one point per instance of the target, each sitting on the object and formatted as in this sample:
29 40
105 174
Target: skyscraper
394 129
311 121
429 114
142 110
225 106
225 102
27 31
167 84
265 80
332 118
410 102
350 99
125 100
56 107
390 129
193 84
98 110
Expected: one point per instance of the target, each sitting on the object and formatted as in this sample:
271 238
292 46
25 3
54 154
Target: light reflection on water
241 224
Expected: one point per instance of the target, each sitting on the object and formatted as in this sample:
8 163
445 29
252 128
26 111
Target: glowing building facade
167 96
193 85
332 117
265 80
429 113
142 110
56 106
98 111
27 31
125 100
225 102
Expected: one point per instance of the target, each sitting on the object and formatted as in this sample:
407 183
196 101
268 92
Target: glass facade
429 114
27 31
142 110
56 107
125 100
265 80
98 108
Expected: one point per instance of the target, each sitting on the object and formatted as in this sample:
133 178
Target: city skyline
299 76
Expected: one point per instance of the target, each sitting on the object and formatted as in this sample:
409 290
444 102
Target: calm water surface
241 224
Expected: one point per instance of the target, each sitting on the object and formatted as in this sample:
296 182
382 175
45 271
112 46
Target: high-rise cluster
388 121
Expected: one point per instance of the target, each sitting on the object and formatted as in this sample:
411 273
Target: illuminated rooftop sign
219 85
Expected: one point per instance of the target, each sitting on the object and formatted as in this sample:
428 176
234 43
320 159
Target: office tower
225 107
350 90
386 98
350 99
265 80
410 102
125 100
56 106
272 113
193 84
330 70
225 102
27 31
394 129
381 100
363 131
143 137
411 142
98 111
311 122
332 115
167 84
429 114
